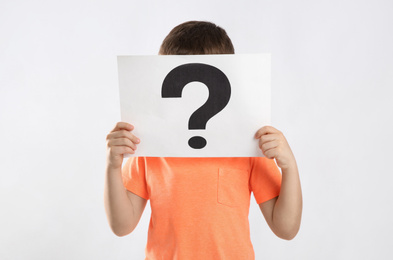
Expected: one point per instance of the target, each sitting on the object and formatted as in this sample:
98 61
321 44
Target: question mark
219 94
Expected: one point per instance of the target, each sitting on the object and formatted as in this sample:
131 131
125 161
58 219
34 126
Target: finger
122 142
271 153
269 145
123 134
115 150
266 130
127 134
123 125
268 138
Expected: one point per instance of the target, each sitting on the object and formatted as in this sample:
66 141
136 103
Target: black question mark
219 94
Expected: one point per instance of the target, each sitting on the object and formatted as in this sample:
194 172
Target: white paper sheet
162 123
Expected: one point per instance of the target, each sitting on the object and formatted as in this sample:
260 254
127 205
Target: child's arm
283 213
123 208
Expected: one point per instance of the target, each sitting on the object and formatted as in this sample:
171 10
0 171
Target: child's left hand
274 145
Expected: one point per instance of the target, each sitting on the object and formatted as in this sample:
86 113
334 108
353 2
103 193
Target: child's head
194 37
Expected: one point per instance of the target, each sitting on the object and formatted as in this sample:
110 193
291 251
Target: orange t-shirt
200 206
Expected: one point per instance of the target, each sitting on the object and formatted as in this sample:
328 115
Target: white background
332 64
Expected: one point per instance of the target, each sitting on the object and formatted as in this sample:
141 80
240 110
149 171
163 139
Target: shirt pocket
233 189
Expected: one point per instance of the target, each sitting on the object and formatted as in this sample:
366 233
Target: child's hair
195 37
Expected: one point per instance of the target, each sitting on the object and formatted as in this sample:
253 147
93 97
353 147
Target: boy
199 206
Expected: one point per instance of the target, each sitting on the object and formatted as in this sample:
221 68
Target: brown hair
195 37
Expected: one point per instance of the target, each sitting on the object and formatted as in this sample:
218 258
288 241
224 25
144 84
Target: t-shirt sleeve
265 179
134 176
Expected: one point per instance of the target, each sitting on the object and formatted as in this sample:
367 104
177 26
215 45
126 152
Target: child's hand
274 145
119 142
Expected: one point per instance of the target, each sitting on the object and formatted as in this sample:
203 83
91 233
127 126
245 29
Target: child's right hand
120 141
